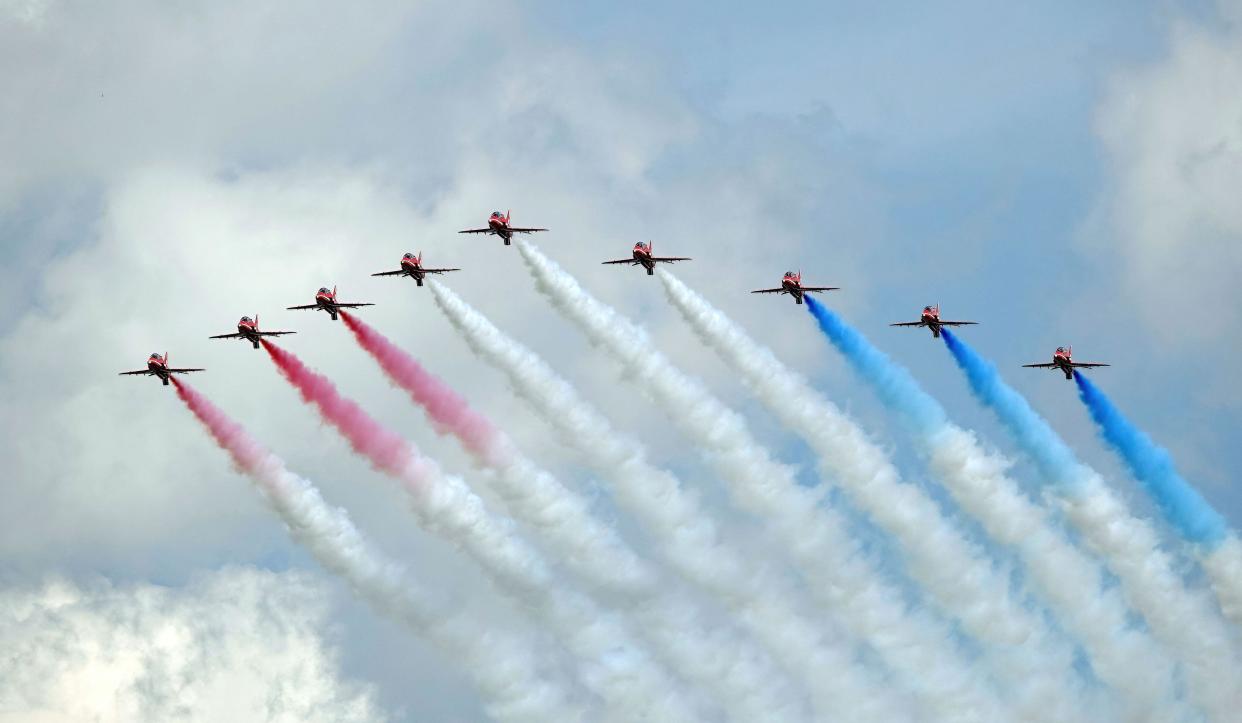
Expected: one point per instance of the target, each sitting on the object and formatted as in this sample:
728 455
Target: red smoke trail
387 451
446 408
247 453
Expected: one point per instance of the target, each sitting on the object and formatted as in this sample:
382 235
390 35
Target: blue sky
169 170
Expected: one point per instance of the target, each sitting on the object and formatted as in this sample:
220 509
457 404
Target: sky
1064 173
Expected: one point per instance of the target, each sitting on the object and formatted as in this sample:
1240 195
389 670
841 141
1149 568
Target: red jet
498 224
931 319
1061 360
326 301
412 266
248 329
642 255
792 284
158 366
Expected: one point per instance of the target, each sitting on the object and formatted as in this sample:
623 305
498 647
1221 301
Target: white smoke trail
1066 578
915 644
613 665
741 678
685 532
1184 619
1224 568
504 666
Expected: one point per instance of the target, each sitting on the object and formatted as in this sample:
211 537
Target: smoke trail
622 674
741 678
1027 656
504 666
916 645
684 531
1066 578
1182 505
1181 618
447 410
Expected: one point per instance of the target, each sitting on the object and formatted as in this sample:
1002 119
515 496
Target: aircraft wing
353 306
958 323
304 306
184 371
671 259
1088 365
907 323
390 273
476 230
438 271
768 291
526 230
1040 366
821 288
140 371
619 261
273 333
225 336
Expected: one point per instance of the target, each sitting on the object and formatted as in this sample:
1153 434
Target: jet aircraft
412 266
1062 359
498 225
158 366
642 256
930 318
326 301
791 284
248 329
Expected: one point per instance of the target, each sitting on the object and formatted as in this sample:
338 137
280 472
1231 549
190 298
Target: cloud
241 156
237 644
1172 130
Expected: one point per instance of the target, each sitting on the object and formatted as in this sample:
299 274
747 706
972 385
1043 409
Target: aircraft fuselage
644 258
414 271
931 321
249 333
793 289
159 369
501 229
328 305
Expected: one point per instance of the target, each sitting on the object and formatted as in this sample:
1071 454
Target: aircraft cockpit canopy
323 289
246 318
1060 350
408 256
497 214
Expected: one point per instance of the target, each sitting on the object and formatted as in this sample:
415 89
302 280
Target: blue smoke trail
1053 457
1152 466
892 381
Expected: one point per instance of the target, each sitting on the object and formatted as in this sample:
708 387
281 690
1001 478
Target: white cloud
237 645
1173 132
243 155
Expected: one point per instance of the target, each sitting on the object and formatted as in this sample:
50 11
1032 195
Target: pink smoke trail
388 452
741 676
246 452
629 681
446 408
507 667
